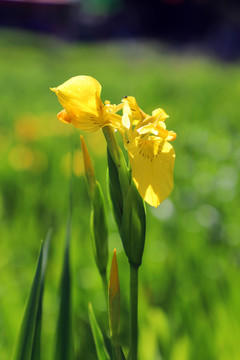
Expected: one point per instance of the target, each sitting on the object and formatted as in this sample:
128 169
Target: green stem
105 286
111 140
105 290
116 352
133 312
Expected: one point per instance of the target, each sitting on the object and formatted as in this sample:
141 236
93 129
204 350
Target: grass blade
64 343
64 336
36 348
24 344
97 335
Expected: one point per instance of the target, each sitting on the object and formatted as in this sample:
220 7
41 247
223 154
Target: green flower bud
114 301
89 170
133 226
99 229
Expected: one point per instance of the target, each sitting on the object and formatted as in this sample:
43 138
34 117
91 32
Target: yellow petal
81 92
162 124
149 128
165 134
64 117
160 114
126 121
110 117
131 108
157 119
157 130
80 97
152 163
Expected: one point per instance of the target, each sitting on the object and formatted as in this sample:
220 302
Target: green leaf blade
24 344
64 343
97 335
36 348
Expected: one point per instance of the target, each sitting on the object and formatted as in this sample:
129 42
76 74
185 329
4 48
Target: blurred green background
189 304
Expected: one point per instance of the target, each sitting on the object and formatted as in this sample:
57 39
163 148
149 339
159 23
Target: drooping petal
64 117
80 97
87 122
152 163
80 93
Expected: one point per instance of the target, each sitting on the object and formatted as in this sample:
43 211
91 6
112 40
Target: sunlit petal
152 163
64 117
80 98
149 128
160 114
133 110
126 121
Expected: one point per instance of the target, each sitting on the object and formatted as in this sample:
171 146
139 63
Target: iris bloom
83 107
151 155
145 136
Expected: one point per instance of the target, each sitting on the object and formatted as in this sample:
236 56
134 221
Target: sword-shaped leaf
98 336
28 342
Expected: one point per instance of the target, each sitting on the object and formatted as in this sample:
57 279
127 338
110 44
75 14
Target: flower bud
133 226
99 228
88 166
114 301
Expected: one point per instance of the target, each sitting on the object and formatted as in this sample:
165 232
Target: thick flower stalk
148 177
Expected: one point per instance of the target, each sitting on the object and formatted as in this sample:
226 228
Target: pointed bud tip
114 299
88 166
82 140
114 281
85 151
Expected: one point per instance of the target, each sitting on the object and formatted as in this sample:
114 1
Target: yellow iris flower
151 155
83 107
145 136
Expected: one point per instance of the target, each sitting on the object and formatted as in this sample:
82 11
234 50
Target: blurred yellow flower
83 107
78 166
151 156
23 158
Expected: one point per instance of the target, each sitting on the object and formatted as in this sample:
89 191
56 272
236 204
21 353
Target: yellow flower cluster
145 136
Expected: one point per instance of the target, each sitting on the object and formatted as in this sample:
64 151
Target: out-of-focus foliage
189 280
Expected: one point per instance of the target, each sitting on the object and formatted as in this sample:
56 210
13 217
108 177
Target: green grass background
189 304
